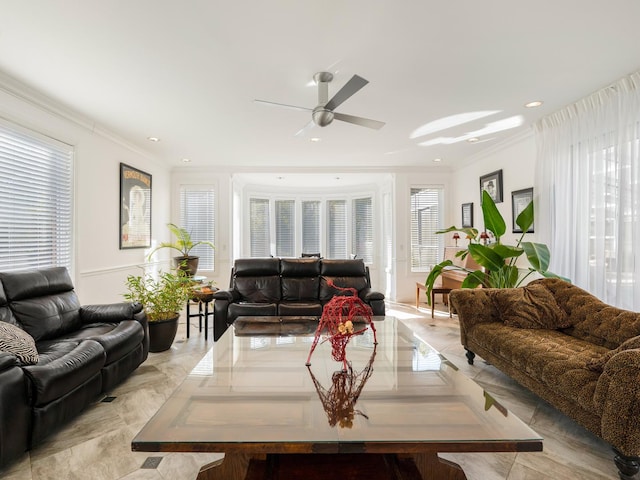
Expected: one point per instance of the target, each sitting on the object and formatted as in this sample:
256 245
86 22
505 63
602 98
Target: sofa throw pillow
597 364
18 342
531 306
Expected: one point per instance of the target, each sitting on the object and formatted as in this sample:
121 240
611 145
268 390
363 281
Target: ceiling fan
324 113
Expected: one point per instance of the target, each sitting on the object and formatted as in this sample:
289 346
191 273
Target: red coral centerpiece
337 320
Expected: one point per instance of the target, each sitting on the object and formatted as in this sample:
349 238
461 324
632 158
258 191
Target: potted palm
183 244
163 298
497 259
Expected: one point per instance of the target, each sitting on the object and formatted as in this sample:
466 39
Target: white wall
100 268
516 159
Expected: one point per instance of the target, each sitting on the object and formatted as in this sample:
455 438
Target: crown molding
42 102
495 148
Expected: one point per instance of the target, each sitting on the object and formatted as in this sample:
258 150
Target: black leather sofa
82 352
289 287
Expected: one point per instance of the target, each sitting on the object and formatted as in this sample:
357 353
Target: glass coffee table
253 398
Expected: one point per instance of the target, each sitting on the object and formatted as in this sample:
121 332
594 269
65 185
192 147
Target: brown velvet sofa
562 343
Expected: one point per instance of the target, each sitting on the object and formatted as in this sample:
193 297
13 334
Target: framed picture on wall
519 201
467 215
135 208
492 183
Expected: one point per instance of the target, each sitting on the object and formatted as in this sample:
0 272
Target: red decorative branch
337 321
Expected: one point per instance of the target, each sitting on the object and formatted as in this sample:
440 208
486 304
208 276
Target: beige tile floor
97 445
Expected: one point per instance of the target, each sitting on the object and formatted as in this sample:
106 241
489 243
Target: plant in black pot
163 298
183 244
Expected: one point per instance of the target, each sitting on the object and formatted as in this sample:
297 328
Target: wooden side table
445 298
201 298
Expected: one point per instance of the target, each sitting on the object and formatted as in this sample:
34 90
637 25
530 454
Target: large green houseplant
497 259
183 244
162 297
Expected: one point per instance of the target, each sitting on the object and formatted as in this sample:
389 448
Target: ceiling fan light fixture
321 116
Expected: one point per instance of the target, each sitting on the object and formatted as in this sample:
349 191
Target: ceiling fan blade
351 87
363 122
293 107
304 130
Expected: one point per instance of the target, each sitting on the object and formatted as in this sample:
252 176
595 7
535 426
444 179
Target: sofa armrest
7 361
114 312
474 305
617 396
228 295
368 295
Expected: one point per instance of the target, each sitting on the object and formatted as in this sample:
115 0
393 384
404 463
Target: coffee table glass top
255 394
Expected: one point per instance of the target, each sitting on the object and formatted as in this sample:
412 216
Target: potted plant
183 244
162 298
497 259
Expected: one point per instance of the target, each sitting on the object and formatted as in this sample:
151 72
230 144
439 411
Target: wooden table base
420 466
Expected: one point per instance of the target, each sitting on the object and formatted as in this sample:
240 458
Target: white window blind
285 228
259 232
362 223
337 229
426 220
36 199
197 216
311 226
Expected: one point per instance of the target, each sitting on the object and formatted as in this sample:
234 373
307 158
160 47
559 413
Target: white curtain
588 180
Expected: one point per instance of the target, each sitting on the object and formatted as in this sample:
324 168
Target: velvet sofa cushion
597 364
531 306
591 319
18 342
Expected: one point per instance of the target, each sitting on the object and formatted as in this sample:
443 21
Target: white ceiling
188 71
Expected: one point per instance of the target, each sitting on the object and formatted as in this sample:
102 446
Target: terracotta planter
188 264
162 333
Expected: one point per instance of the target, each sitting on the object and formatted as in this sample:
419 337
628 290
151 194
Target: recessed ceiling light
153 139
533 104
314 139
473 139
437 160
186 160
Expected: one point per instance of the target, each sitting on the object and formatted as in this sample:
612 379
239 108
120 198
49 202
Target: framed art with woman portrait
135 208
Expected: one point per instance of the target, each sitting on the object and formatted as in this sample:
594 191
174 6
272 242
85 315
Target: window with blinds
259 232
285 228
337 229
362 237
426 220
197 216
36 201
311 226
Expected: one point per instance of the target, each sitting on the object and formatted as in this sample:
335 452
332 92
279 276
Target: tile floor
97 445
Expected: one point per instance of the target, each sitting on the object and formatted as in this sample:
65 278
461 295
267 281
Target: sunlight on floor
404 314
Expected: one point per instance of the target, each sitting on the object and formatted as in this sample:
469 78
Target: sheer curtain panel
588 176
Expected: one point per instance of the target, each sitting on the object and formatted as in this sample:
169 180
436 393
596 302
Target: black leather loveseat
80 352
289 287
